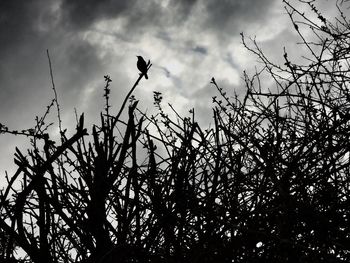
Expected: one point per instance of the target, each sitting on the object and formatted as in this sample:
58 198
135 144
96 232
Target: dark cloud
83 13
232 16
138 14
221 17
201 50
178 12
16 22
28 28
21 44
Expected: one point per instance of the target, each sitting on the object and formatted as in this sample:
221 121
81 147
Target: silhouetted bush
269 182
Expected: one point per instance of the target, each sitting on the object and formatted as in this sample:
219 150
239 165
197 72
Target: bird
142 66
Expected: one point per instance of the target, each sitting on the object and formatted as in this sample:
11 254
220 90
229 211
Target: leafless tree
269 182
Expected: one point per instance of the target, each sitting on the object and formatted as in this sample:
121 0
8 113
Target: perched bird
142 66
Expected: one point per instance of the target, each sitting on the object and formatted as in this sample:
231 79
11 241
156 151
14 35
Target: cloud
188 42
80 14
224 17
201 50
29 28
230 16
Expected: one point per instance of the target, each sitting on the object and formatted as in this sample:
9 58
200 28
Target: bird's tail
146 76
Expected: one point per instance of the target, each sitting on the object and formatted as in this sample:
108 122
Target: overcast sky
187 41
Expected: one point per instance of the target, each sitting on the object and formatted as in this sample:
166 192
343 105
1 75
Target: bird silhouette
142 66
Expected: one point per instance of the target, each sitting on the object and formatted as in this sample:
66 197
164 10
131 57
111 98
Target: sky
187 41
